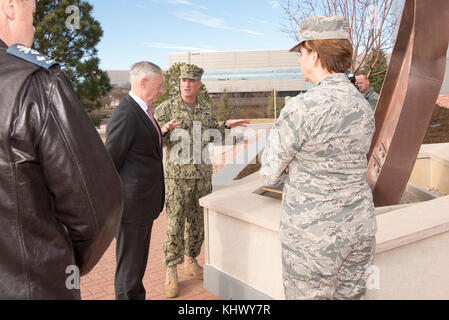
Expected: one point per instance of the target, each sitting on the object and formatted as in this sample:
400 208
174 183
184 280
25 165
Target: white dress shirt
140 102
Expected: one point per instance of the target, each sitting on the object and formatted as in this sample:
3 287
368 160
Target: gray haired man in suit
133 140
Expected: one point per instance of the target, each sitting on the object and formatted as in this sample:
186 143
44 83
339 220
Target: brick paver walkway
99 283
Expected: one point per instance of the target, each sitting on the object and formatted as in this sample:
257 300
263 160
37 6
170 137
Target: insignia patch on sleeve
31 55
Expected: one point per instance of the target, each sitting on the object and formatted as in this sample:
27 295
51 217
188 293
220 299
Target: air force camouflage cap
191 71
322 28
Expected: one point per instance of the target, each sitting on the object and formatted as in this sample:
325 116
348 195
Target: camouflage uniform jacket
372 97
187 155
323 137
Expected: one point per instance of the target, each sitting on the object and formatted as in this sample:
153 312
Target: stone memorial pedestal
412 255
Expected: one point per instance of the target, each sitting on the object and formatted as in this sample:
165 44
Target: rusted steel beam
407 100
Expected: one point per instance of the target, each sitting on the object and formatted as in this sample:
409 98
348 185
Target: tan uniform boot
171 282
192 268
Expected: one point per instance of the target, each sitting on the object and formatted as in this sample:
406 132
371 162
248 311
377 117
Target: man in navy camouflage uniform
188 172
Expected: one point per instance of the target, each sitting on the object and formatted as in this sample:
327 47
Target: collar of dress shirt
139 101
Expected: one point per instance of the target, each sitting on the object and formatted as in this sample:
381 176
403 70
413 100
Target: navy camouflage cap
191 71
322 28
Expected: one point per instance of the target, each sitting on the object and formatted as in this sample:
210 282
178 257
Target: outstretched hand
170 126
237 122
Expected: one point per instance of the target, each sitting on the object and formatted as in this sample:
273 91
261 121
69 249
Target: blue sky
136 30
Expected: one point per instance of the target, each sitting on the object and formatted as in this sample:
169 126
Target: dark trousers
133 244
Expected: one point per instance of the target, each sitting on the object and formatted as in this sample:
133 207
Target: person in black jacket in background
60 195
133 139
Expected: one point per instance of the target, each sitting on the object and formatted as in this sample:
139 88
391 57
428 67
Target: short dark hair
362 73
335 54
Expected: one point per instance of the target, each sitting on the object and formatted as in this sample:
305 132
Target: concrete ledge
227 287
240 202
396 227
412 223
242 242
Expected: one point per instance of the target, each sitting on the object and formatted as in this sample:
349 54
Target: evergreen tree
66 32
270 106
224 108
376 70
171 85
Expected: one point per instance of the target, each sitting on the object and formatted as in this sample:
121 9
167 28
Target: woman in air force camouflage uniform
318 148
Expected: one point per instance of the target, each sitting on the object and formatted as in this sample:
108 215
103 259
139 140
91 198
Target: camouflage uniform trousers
337 274
185 218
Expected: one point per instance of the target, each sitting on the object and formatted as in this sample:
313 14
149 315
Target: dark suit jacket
133 143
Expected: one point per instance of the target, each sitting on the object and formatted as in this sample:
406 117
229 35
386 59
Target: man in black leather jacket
60 195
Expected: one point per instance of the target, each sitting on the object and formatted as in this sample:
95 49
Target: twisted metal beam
407 100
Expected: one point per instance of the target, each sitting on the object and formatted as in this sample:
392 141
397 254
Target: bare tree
372 24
